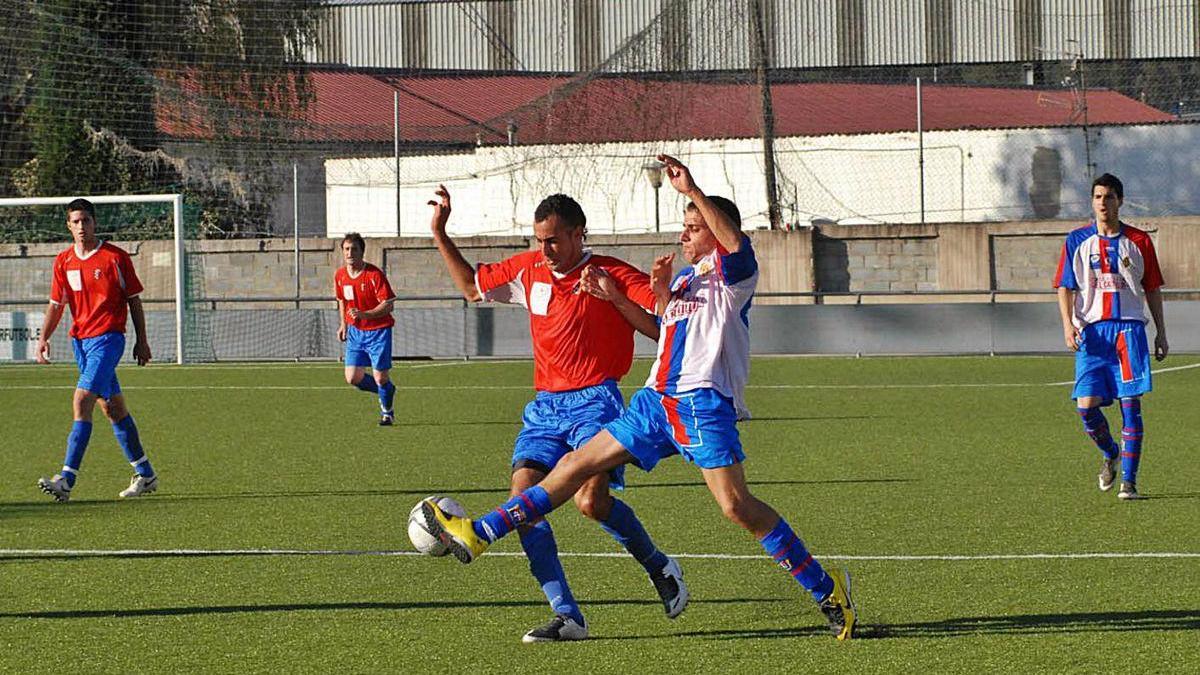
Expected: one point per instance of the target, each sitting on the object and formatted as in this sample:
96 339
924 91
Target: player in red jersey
365 301
98 282
582 345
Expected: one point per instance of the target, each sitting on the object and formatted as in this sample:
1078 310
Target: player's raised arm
724 229
461 271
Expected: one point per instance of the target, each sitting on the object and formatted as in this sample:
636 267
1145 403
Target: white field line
185 552
1152 372
627 387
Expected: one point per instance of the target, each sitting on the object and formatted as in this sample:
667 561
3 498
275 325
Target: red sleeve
133 285
337 284
490 276
1152 278
633 281
383 288
58 282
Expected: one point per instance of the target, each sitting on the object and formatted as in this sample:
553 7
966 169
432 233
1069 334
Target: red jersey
579 340
363 291
97 287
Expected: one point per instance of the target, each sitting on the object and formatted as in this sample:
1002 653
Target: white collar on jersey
587 255
81 256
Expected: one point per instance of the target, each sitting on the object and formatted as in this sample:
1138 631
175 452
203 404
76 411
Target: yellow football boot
456 533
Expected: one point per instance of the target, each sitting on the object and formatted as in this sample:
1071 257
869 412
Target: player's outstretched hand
681 178
595 281
441 210
141 352
43 351
1160 347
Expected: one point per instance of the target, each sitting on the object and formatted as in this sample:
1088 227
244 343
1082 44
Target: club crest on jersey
1126 262
705 267
1094 259
96 273
786 564
680 284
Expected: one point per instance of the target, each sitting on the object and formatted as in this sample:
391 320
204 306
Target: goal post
176 200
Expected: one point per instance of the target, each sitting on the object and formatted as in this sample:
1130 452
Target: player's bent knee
593 504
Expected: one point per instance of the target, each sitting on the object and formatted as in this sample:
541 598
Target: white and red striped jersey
1110 274
704 339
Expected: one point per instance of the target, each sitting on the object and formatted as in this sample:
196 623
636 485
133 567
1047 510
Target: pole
180 267
396 151
920 151
657 222
296 223
1087 138
768 114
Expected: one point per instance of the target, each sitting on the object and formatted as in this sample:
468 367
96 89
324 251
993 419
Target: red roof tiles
352 106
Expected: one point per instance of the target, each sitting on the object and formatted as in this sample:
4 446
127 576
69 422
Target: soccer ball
420 537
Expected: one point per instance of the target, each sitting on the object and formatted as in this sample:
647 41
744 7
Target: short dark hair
1112 183
728 207
564 207
356 238
82 205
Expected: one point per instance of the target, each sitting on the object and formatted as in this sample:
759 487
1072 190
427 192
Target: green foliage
88 77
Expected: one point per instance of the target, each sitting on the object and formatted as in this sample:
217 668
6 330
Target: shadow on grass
341 606
23 508
1023 624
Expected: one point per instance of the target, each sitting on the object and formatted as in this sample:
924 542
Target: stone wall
969 257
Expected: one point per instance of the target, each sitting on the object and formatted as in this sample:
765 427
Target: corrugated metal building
678 35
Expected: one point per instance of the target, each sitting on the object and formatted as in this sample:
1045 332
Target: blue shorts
97 358
700 424
1113 361
556 423
369 348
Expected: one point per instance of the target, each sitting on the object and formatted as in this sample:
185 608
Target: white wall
971 175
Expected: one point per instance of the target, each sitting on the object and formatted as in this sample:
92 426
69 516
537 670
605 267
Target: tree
103 73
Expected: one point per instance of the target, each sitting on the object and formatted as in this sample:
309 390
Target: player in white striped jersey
1108 283
687 407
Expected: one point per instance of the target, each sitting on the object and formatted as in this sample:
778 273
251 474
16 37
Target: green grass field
971 462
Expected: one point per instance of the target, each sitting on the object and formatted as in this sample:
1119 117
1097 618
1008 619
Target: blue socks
367 384
387 394
542 552
1096 427
524 508
127 437
786 548
77 442
1131 437
627 530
